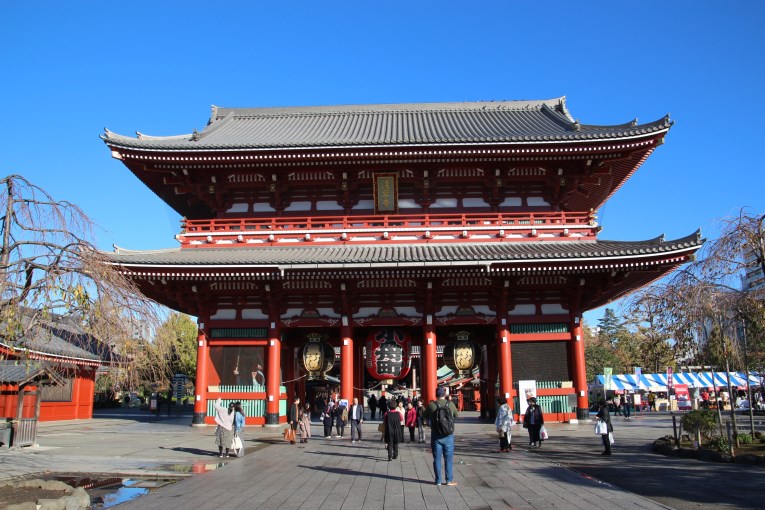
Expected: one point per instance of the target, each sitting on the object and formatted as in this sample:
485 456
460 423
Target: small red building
54 350
389 232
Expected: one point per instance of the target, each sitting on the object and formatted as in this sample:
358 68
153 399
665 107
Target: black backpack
442 421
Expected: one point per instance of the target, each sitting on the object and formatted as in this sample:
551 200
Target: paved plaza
335 473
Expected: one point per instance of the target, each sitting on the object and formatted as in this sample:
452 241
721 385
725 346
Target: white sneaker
353 440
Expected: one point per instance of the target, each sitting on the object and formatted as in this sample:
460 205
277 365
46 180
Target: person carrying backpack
441 414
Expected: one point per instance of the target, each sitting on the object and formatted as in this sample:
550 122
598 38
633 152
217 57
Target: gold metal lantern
316 357
462 355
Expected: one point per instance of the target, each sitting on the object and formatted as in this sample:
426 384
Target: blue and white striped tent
658 382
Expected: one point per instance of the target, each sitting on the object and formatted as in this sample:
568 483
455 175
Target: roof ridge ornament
577 125
195 135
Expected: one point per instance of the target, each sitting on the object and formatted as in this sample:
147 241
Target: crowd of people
398 413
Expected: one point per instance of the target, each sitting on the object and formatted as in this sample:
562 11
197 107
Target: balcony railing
392 228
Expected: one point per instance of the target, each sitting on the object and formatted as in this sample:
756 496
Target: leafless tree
50 271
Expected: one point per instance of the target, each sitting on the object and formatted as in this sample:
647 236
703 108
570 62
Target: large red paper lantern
388 353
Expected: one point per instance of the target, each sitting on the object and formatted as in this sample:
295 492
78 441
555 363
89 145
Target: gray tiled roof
19 371
310 256
476 123
60 338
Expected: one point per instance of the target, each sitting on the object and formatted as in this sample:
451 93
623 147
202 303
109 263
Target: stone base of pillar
272 418
582 413
198 420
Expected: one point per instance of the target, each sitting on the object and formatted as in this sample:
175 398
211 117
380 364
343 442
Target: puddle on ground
106 492
193 468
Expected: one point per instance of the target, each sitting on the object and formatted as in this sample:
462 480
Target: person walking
393 432
401 411
411 420
533 421
372 403
441 414
503 422
420 422
224 433
304 423
382 405
356 416
293 415
239 428
627 406
341 418
326 418
605 416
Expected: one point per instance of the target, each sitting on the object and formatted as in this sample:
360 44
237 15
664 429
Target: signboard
638 377
526 390
179 385
683 398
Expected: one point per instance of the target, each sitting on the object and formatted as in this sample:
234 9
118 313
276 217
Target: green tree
610 327
598 353
179 334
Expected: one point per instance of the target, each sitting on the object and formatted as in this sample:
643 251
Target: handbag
601 428
381 427
611 437
289 434
543 434
236 444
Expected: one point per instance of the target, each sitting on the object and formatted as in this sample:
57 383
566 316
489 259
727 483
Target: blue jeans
442 447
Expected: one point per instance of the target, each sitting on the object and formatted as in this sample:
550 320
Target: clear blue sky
69 69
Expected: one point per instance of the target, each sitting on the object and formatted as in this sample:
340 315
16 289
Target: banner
638 377
526 390
607 378
669 378
682 397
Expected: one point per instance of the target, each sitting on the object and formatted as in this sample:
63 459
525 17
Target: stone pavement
325 473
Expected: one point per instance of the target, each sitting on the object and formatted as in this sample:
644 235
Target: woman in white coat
503 423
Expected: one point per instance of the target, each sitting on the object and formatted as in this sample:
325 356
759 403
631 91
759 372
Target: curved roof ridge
125 251
220 112
664 122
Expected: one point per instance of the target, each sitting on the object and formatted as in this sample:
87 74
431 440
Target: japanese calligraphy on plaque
386 193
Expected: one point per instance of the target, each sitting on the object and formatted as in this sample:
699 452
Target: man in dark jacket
441 445
605 416
393 432
293 412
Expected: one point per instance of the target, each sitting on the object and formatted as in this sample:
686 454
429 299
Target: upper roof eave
383 126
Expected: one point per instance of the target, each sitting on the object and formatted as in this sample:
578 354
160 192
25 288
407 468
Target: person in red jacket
411 420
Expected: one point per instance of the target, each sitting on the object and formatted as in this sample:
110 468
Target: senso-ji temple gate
384 233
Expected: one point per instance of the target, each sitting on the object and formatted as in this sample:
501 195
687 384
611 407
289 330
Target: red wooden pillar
489 397
273 375
505 360
200 386
429 376
359 368
580 370
346 361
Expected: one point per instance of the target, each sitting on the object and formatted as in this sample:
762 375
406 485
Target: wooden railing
389 228
25 432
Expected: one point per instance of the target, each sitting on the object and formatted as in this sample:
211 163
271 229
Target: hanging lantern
462 355
316 357
388 353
